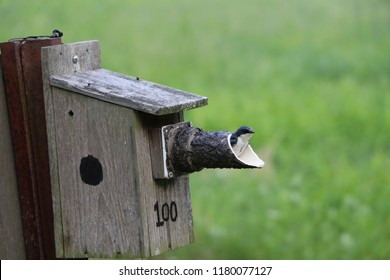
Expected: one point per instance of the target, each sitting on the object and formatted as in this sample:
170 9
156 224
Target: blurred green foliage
311 77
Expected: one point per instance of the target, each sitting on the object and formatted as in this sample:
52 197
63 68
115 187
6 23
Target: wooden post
11 231
21 62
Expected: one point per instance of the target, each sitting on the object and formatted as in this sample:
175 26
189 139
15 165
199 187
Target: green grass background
311 77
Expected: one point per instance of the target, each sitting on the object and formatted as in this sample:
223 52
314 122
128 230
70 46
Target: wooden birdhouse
104 134
120 154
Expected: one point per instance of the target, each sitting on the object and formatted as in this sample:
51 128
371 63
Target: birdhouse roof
127 91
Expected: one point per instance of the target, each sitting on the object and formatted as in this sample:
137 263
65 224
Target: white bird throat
242 143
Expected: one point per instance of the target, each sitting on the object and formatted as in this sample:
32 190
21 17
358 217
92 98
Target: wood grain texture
154 124
11 231
102 220
173 234
116 217
23 87
35 114
128 91
57 60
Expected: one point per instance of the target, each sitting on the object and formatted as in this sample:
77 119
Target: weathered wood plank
32 78
154 124
11 231
57 60
124 211
118 216
128 91
23 87
21 140
168 196
98 220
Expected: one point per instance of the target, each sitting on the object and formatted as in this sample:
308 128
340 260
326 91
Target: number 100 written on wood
166 212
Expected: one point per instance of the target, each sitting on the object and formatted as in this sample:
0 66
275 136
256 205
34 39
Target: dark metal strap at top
55 34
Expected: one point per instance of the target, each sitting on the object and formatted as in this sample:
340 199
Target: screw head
75 59
170 174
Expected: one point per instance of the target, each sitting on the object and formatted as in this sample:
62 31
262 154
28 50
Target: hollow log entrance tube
189 149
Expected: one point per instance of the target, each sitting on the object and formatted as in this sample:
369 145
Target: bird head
244 130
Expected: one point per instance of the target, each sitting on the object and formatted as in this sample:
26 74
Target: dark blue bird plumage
240 131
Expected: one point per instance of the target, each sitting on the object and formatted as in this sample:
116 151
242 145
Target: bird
239 140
